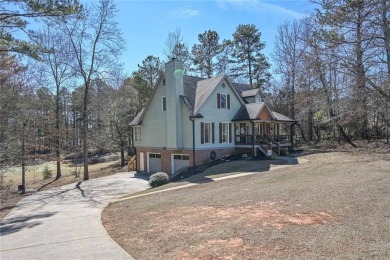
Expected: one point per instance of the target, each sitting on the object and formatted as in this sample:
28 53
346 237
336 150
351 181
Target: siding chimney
174 88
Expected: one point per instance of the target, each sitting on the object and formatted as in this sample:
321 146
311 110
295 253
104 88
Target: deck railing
261 139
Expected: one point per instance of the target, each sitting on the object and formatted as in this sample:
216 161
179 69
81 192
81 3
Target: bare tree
96 43
56 68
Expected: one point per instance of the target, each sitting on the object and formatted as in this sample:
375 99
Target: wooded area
63 90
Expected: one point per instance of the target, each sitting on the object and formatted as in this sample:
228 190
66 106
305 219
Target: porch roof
251 112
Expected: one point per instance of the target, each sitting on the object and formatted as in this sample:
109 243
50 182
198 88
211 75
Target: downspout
193 141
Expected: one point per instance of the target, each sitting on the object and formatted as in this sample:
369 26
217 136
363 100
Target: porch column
234 134
253 140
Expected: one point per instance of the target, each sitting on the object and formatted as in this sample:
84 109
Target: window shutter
220 132
228 101
218 100
202 133
213 132
230 132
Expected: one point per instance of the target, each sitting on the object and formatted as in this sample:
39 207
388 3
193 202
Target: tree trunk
23 159
122 156
58 139
85 131
386 30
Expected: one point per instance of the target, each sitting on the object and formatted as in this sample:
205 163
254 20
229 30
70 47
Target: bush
46 173
158 179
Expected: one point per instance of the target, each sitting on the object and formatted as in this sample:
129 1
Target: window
181 157
223 101
137 133
225 132
207 134
164 103
155 155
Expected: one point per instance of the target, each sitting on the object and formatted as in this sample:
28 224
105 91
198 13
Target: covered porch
262 130
265 136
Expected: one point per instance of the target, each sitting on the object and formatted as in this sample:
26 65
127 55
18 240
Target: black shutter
218 100
202 133
213 132
230 132
228 101
220 132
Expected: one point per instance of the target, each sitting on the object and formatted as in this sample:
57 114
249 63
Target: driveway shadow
13 225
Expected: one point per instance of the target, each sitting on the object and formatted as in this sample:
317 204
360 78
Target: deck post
253 139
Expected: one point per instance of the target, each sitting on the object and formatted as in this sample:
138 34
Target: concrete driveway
65 222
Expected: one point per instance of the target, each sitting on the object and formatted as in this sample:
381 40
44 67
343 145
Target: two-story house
190 120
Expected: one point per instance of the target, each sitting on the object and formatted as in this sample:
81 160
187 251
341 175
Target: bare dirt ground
9 198
337 205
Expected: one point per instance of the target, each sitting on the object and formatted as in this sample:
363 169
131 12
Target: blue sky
145 24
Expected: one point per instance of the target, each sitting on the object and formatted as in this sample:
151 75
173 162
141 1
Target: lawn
337 205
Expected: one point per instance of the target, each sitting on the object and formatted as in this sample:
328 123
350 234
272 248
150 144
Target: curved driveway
65 222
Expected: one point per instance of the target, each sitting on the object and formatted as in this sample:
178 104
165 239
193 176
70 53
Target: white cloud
185 13
259 6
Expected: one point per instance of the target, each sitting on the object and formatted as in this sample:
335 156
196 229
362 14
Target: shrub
46 173
158 179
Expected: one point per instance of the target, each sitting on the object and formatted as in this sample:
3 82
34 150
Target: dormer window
163 103
223 101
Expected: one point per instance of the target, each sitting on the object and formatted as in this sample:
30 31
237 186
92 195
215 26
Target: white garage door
180 161
154 162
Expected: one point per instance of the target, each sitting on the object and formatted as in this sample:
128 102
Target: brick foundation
201 156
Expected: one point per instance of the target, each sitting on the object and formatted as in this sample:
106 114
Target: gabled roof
250 111
249 93
204 89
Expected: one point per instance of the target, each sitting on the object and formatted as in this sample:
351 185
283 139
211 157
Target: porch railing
262 139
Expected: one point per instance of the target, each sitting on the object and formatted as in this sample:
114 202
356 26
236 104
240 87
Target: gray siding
212 114
187 128
154 124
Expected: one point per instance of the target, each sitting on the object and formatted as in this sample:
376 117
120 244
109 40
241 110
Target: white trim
210 132
173 161
142 162
147 160
228 133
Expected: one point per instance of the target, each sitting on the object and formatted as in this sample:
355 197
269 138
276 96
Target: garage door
180 161
154 162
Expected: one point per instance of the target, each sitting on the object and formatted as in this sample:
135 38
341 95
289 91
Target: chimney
174 88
